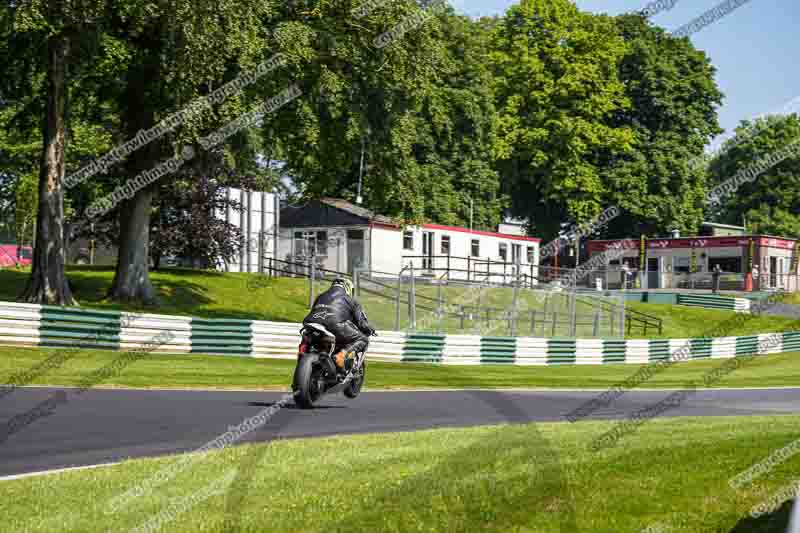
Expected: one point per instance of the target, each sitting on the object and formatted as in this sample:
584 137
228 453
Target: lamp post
471 213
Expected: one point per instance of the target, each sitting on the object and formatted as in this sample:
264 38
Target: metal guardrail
634 318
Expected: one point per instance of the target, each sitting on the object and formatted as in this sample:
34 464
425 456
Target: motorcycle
316 373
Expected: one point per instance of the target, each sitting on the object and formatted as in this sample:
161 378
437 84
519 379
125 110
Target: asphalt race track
103 426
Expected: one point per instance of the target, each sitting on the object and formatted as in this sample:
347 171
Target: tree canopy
546 113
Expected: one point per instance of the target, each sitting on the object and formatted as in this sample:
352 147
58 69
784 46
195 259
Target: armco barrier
740 305
36 325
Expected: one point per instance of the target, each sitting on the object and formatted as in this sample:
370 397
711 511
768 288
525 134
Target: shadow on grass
173 293
12 283
774 522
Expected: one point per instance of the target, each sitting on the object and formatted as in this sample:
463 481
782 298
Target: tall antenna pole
359 199
470 214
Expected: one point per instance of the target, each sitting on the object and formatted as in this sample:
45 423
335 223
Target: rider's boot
340 360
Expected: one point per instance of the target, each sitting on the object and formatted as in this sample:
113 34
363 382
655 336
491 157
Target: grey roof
359 211
331 212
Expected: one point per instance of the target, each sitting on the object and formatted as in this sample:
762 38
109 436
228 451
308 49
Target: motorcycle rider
338 311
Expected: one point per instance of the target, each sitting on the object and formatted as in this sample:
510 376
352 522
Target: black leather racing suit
344 317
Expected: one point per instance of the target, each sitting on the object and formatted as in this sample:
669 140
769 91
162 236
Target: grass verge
198 371
672 473
211 294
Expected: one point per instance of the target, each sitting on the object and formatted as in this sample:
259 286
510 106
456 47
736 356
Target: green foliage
420 110
550 111
673 115
557 88
25 207
770 204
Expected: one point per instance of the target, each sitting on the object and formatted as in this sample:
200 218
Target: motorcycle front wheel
308 383
354 388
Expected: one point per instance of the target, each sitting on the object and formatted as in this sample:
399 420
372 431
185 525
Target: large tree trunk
132 276
48 283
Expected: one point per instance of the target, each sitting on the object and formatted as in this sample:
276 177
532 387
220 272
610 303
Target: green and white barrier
739 305
35 325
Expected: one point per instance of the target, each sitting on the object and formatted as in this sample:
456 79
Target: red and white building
749 262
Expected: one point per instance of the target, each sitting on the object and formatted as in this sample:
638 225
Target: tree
770 203
673 116
169 66
414 118
557 87
187 223
54 29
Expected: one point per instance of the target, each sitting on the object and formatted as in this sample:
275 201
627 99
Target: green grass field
212 294
525 478
215 372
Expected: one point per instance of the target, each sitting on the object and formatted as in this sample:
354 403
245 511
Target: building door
773 272
516 257
356 250
653 273
427 250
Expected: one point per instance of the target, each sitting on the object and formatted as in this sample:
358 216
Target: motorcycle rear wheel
307 378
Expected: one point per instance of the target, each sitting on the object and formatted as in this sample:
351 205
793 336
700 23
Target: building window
299 244
681 264
503 251
304 242
726 264
445 245
516 253
408 240
531 255
322 243
476 248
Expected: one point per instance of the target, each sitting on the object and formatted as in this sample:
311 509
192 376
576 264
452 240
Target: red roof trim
385 226
719 241
484 233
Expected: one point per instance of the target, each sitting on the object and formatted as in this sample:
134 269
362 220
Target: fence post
533 323
555 317
440 310
397 301
622 317
515 303
462 318
596 325
412 301
312 271
611 319
573 326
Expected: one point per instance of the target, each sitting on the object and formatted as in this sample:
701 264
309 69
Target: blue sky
751 48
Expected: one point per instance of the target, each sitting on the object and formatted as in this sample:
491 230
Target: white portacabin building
344 237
